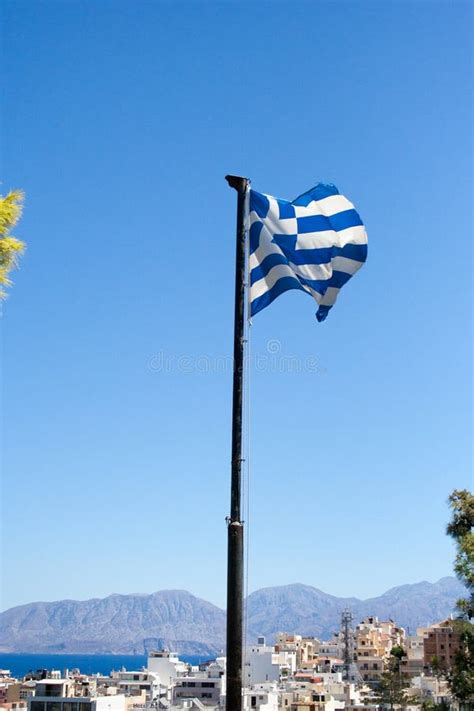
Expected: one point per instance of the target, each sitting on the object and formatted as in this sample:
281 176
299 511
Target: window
208 684
37 706
50 690
206 695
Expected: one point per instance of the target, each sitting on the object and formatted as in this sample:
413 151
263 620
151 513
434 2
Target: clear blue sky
120 120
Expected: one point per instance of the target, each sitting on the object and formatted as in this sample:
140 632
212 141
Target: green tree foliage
437 669
398 652
430 705
10 247
461 675
460 528
391 692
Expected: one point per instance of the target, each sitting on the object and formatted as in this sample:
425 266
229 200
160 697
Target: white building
27 689
261 664
216 668
57 695
412 665
167 666
331 648
261 697
206 685
431 688
135 683
310 698
208 691
265 663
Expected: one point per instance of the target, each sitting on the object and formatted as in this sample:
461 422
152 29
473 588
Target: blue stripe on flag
254 236
338 279
322 255
286 209
319 192
272 260
283 284
287 243
322 312
268 263
319 223
259 203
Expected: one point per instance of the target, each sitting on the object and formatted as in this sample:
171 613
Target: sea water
21 664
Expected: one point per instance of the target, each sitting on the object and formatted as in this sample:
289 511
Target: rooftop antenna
351 672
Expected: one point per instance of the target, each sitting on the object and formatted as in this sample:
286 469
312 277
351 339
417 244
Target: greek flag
315 243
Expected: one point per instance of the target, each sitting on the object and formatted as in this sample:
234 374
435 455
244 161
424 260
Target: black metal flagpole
235 529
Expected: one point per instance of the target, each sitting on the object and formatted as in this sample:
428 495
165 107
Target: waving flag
315 243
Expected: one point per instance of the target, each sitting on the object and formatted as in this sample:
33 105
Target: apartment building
58 695
373 641
440 644
267 663
207 685
166 665
413 663
207 691
261 697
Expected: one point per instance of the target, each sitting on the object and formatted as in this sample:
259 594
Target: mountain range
177 620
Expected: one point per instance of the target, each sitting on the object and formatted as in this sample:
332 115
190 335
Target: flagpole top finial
237 182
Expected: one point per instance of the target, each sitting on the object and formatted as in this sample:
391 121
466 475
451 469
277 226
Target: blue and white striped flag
315 243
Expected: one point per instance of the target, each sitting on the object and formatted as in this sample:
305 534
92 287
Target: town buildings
296 673
440 644
61 695
270 662
374 641
207 685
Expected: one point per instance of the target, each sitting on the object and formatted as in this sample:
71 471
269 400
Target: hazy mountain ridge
136 623
117 624
310 611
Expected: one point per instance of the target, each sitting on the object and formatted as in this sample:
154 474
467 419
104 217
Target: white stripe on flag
330 238
277 272
265 247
